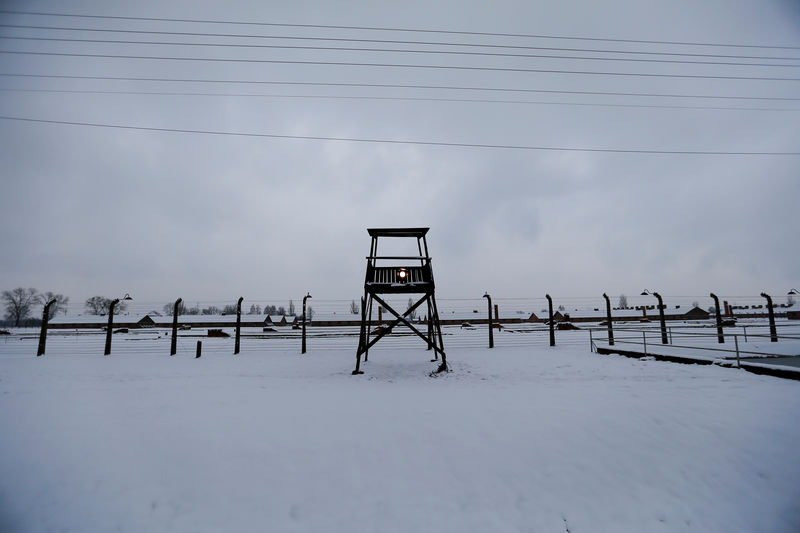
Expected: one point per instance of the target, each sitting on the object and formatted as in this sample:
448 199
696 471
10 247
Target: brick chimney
727 309
496 314
380 315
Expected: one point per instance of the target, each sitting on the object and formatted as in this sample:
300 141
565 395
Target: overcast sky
91 210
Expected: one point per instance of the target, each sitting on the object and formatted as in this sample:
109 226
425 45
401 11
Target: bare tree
19 302
168 309
281 311
413 314
95 305
695 304
99 305
623 301
60 303
354 307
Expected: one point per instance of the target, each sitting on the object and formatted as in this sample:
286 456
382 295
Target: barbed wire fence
522 322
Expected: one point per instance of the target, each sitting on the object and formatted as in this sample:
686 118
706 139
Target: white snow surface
525 438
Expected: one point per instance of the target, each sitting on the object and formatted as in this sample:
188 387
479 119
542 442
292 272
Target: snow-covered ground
519 438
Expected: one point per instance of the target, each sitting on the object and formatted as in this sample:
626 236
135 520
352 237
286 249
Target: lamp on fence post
43 333
664 339
111 307
608 317
238 325
306 297
491 334
773 333
550 315
720 336
174 346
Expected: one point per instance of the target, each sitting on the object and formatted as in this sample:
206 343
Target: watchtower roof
397 232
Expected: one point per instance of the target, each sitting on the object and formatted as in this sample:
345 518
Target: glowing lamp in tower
402 275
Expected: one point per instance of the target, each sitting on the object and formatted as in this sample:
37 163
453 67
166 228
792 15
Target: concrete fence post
110 326
43 332
608 318
238 325
174 344
720 335
491 326
303 347
111 307
773 332
550 315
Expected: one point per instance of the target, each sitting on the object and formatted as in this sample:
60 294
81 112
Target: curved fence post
550 314
238 325
608 318
307 296
491 326
43 332
661 319
720 335
111 307
773 333
174 345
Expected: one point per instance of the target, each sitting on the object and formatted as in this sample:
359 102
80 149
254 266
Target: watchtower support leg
362 338
369 328
443 366
430 330
430 327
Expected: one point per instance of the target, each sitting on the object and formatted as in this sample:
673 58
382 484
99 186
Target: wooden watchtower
399 275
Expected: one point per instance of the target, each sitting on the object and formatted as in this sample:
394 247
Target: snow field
519 438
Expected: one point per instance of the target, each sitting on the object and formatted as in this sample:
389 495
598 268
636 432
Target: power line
398 65
394 141
423 51
396 86
394 29
396 98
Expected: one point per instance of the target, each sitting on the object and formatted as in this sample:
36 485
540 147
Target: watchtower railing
402 274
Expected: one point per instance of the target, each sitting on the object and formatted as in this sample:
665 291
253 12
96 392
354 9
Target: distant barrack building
161 321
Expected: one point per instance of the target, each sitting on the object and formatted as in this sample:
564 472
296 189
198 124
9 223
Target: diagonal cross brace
389 328
401 318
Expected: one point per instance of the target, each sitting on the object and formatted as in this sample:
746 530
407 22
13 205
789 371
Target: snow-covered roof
466 315
600 314
212 319
343 316
90 319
